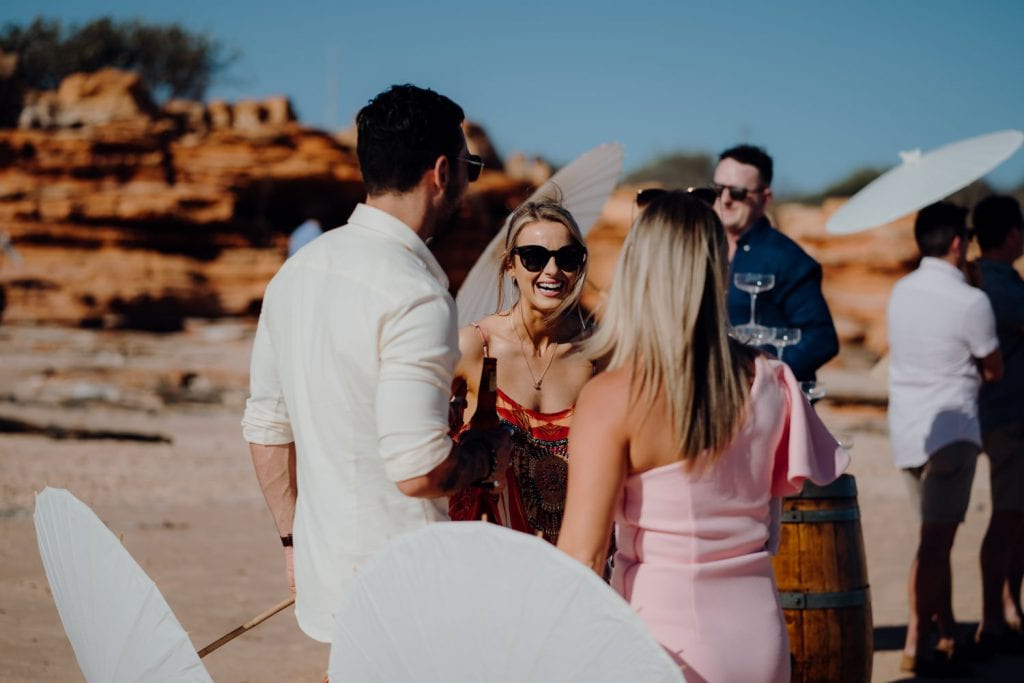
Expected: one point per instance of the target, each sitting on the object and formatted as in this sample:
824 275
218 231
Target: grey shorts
1004 446
941 488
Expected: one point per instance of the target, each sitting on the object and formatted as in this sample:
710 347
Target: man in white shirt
940 331
353 358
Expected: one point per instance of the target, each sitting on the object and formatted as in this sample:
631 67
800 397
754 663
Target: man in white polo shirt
941 330
353 358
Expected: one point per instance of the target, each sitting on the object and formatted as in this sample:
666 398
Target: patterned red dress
534 497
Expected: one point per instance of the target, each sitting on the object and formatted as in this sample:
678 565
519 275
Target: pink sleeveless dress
693 546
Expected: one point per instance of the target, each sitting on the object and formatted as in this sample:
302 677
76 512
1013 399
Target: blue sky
826 87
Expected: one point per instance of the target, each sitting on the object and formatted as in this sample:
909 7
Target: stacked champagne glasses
813 391
781 337
758 335
752 335
753 284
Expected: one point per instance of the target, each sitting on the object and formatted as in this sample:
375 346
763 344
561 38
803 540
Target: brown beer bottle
485 416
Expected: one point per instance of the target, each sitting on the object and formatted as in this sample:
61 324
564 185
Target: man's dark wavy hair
936 225
993 218
752 156
402 132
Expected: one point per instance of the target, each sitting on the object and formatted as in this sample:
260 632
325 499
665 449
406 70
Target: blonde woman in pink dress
687 442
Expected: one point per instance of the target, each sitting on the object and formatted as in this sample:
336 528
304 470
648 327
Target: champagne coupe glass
783 337
751 335
813 391
844 439
753 284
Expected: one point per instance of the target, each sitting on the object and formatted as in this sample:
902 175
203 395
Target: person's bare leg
945 624
1012 611
910 643
934 595
996 550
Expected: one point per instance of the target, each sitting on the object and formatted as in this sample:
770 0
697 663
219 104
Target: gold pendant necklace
537 381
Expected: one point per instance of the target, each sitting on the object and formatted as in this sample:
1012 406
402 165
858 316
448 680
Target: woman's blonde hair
666 319
537 212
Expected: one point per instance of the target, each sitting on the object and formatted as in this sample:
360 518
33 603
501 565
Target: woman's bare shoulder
602 410
609 389
471 348
471 344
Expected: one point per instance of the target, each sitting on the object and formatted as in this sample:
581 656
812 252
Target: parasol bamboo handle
255 621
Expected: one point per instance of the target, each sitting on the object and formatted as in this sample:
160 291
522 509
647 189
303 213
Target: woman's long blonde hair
666 319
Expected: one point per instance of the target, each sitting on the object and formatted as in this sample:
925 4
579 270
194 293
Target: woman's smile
551 289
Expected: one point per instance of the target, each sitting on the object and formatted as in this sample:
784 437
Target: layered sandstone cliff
128 214
125 214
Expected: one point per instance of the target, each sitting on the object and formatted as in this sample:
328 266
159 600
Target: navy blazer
794 301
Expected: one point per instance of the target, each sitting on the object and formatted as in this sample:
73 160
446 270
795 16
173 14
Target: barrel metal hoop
819 516
794 600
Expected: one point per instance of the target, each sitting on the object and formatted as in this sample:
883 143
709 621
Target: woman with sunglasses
540 368
683 442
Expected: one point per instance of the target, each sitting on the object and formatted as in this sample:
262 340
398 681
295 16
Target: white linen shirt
353 361
938 324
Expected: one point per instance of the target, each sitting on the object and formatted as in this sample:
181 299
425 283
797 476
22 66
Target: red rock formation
89 100
859 270
124 214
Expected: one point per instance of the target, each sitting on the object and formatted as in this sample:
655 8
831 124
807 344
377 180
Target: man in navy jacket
743 180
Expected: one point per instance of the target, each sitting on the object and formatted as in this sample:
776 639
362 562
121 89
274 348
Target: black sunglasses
474 165
738 194
645 197
534 257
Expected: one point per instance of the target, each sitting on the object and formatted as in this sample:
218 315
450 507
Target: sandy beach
177 483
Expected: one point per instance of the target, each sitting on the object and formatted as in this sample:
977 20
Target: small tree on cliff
172 61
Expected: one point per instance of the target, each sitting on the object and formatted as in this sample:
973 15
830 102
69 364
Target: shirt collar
751 232
998 266
382 222
941 265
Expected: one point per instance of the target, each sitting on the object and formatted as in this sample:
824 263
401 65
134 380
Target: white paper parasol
119 624
472 601
923 179
583 187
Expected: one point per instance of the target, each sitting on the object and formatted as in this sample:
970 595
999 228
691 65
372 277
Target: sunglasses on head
645 197
738 194
534 257
474 164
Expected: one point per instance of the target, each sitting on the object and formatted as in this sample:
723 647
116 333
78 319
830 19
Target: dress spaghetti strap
483 338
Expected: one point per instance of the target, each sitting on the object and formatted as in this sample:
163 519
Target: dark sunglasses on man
534 257
474 165
738 194
645 197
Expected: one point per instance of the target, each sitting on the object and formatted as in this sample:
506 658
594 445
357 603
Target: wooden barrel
822 578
